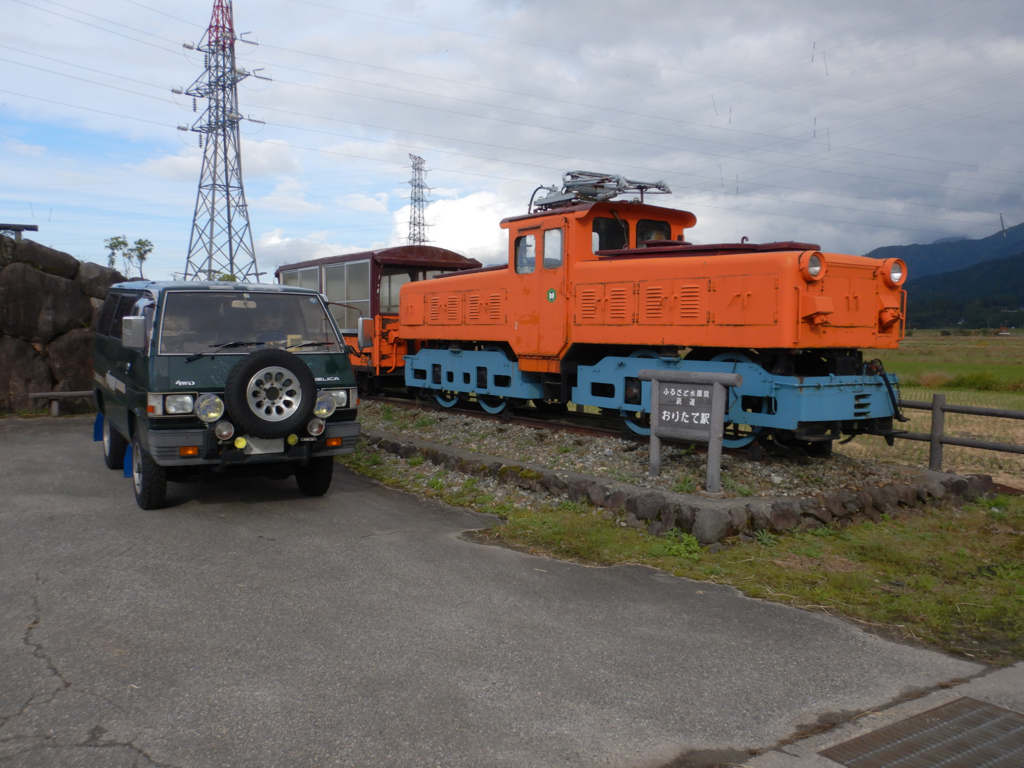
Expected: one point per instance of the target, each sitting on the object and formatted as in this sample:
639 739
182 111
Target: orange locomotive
595 290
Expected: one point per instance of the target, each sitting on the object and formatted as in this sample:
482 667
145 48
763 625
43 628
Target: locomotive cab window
609 234
649 230
552 248
526 254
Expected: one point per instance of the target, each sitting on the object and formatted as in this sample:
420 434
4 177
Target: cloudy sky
849 125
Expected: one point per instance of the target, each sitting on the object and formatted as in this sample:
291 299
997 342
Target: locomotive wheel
553 408
736 435
492 404
446 399
638 422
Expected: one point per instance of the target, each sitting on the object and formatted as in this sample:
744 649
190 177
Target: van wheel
270 393
314 479
149 478
114 446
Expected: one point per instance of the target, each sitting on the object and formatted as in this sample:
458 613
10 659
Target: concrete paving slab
248 625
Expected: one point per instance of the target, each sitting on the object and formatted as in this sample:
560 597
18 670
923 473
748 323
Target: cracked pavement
247 625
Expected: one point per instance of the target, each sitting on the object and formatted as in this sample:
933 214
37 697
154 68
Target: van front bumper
165 447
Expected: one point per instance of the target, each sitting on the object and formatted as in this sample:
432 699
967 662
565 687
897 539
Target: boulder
95 281
22 371
785 515
70 358
48 260
35 306
712 524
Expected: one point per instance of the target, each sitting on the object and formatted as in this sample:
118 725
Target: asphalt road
247 625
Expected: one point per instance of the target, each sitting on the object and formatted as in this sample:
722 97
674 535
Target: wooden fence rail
937 437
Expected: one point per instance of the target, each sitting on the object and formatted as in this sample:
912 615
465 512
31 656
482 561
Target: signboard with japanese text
684 411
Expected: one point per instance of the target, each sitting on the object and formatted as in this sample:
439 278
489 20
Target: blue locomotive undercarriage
806 407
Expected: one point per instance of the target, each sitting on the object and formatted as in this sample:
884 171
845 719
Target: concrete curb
709 520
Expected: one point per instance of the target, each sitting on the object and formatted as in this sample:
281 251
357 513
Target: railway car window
391 283
552 248
649 230
350 284
357 292
610 234
526 254
303 278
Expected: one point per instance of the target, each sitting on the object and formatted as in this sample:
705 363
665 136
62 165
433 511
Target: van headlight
178 404
209 407
326 404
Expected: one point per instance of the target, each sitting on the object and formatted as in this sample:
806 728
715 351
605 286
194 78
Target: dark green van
195 377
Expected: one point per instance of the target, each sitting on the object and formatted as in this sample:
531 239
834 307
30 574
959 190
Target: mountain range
962 282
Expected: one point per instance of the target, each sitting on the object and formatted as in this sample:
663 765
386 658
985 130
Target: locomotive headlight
209 407
812 266
894 271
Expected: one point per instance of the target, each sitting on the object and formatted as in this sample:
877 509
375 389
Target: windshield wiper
219 347
310 344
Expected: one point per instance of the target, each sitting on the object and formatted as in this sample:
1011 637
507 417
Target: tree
132 256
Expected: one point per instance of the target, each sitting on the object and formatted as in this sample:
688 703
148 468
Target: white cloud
289 196
274 248
375 204
466 225
184 166
20 148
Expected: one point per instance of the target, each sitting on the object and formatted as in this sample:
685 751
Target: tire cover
270 394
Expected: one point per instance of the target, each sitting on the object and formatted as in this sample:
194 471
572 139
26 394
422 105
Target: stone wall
49 304
709 520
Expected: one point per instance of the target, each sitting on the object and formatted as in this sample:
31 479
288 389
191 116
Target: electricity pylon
418 214
221 241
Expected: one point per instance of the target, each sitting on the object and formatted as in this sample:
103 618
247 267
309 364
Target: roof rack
594 187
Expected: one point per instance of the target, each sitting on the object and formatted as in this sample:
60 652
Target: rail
937 437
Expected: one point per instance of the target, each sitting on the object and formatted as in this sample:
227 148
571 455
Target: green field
986 363
976 370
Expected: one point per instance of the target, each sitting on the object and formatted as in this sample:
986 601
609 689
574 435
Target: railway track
589 424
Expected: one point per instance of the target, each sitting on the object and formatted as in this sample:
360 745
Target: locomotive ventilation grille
861 406
618 305
689 302
589 301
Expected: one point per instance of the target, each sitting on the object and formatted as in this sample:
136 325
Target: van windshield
199 321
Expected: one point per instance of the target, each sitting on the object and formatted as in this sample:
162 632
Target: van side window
552 248
526 254
124 307
107 314
610 234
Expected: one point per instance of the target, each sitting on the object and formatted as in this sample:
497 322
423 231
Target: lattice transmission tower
221 241
418 215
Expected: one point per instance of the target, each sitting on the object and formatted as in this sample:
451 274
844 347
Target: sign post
689 407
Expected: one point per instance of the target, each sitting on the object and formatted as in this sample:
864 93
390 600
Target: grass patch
946 577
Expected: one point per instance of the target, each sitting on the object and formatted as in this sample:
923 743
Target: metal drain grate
962 734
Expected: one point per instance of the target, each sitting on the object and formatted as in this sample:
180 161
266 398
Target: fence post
938 427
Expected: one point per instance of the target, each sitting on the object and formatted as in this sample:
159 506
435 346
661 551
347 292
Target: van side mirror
364 332
133 332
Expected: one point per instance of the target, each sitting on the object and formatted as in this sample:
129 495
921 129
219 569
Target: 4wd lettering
184 383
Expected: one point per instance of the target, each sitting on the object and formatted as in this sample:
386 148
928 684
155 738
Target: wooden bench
56 397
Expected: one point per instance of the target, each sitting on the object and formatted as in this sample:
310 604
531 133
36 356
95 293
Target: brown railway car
366 285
